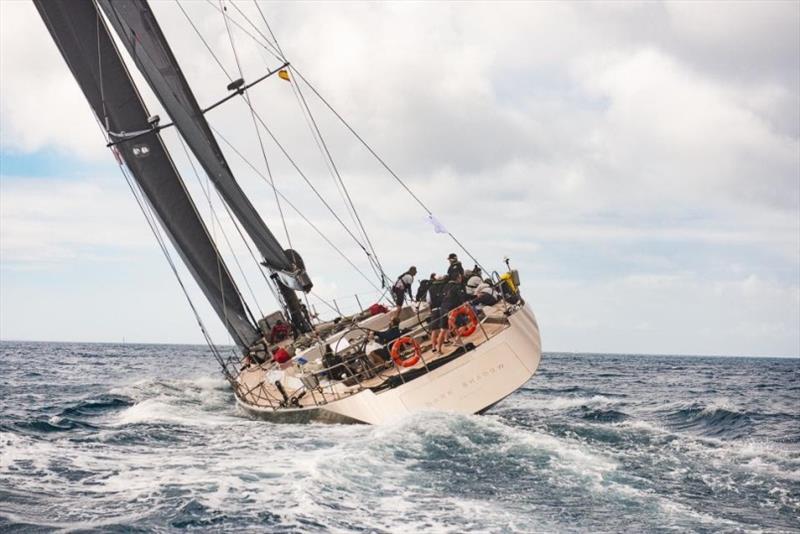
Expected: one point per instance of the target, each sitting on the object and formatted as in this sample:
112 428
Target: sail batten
141 34
100 72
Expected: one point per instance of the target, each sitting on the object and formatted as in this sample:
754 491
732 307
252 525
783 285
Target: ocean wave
579 449
96 406
718 418
47 426
604 416
563 403
198 401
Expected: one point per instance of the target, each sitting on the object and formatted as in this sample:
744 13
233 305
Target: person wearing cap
455 267
402 287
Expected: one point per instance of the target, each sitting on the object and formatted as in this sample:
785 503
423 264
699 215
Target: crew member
379 341
402 287
473 281
484 294
454 296
437 321
422 289
454 267
279 332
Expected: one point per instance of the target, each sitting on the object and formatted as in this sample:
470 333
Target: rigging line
149 217
246 243
321 151
183 185
371 255
214 245
318 139
380 160
311 185
104 133
304 105
242 236
207 109
224 11
269 29
207 192
280 57
258 133
374 263
252 111
308 221
197 31
349 201
269 46
214 237
316 135
308 308
269 170
263 124
255 125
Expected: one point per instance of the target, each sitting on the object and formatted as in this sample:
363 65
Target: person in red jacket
279 332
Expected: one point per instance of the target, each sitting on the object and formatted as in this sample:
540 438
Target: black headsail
83 39
142 36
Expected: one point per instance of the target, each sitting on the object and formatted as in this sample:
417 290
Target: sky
639 163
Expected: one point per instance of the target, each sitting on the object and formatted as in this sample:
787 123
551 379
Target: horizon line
695 355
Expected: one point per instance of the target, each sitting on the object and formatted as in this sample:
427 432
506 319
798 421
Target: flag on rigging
283 74
438 227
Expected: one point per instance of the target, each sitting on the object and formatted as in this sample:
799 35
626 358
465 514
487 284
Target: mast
78 29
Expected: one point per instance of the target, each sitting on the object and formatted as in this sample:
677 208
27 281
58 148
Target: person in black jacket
436 321
453 297
455 267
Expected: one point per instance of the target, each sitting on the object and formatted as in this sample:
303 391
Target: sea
147 438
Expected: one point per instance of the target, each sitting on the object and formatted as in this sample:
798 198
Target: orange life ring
463 311
398 345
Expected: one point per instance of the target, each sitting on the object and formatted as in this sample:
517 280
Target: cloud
592 143
41 105
52 221
656 313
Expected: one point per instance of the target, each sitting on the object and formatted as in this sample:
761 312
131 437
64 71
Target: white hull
470 384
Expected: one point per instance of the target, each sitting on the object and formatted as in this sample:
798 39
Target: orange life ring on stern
398 345
464 310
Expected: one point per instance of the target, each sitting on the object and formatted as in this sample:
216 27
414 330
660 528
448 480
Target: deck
256 384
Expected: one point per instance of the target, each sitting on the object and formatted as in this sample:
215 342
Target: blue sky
638 162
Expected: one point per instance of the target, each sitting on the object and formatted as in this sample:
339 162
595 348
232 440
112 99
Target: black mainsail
141 34
80 33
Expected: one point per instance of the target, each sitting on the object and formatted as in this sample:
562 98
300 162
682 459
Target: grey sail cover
83 40
138 29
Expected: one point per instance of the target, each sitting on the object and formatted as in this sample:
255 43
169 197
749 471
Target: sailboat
287 365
